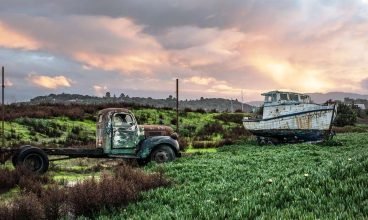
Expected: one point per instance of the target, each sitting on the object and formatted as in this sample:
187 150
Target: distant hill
323 97
208 104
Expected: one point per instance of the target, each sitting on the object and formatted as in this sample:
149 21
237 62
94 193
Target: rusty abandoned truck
118 135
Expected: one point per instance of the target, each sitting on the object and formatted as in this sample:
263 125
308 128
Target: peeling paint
119 133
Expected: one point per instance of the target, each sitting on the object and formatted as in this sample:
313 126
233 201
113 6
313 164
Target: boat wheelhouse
291 117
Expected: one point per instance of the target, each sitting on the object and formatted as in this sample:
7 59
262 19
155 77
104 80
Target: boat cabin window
305 99
283 96
294 97
270 98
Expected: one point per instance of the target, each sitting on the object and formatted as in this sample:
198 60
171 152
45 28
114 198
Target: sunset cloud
200 80
49 82
12 39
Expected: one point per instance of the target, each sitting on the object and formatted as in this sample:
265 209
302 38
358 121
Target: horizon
250 102
216 49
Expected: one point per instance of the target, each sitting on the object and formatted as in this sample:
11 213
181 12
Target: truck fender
150 144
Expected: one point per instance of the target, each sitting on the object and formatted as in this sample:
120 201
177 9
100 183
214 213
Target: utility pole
177 106
3 108
242 98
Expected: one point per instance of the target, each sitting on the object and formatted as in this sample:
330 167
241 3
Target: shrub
200 110
79 137
26 207
112 190
54 200
188 110
236 133
183 143
230 117
345 116
7 180
49 128
85 198
349 129
141 179
173 121
24 178
210 129
211 144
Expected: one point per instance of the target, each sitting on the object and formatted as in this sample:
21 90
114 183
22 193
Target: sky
217 48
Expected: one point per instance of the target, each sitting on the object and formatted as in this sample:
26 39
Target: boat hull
287 135
312 125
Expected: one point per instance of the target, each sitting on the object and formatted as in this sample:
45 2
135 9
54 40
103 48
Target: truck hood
156 130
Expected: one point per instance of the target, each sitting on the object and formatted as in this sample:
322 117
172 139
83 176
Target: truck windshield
123 120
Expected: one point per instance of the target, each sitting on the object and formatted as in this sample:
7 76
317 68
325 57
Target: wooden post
177 106
3 108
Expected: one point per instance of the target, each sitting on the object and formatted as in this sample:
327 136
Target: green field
247 181
239 181
206 129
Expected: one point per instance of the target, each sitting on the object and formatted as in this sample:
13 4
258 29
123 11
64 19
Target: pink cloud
49 82
12 39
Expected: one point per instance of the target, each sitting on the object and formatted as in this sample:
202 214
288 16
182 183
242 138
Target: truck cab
119 135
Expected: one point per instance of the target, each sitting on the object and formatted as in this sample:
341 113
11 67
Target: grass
203 150
191 124
247 181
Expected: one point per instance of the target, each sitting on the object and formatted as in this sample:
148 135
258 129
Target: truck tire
15 156
34 159
162 154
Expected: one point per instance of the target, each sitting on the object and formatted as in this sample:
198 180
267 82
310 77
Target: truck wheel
163 154
15 156
34 159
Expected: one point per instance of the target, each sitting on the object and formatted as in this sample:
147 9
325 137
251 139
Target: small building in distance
360 103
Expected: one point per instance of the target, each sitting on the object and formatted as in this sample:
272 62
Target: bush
85 198
24 178
210 129
7 180
349 129
54 200
345 116
230 117
188 110
112 190
236 133
211 144
200 110
183 143
23 207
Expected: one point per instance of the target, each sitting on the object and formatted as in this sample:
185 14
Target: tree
345 116
108 95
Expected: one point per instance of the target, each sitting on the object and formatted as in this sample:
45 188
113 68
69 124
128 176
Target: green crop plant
247 181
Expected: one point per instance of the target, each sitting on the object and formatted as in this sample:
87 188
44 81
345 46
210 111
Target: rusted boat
291 117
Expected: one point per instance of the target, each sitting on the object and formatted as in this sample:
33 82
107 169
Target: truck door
125 131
